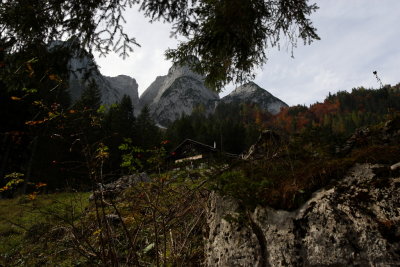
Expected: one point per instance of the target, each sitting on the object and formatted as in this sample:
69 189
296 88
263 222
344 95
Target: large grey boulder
352 223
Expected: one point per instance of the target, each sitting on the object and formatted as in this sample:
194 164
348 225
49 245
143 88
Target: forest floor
23 221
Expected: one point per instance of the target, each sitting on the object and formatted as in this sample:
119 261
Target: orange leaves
15 98
31 123
319 110
54 77
165 142
32 196
296 118
39 185
30 70
5 188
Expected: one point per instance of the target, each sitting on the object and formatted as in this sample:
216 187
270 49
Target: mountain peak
252 93
249 88
177 93
83 68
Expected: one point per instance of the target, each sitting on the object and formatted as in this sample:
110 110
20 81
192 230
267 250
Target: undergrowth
30 229
302 166
154 223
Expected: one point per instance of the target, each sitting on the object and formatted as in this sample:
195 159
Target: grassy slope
23 222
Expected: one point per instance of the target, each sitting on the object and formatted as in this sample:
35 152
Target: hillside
147 209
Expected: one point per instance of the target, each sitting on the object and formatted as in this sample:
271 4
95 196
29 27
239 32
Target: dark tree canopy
230 37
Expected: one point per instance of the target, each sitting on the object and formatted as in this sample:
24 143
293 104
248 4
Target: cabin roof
179 151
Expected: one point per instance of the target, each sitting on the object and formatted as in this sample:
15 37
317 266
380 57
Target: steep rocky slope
82 67
252 93
112 88
177 93
124 85
355 222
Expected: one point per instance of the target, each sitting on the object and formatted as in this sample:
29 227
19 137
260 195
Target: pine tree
148 134
90 98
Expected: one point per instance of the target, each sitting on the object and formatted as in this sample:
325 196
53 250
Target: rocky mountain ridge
169 96
82 69
182 90
252 93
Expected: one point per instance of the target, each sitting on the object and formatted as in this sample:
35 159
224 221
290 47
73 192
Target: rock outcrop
177 93
354 222
82 69
115 188
124 85
252 93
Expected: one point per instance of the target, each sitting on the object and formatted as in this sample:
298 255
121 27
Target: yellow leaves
53 115
38 103
14 175
32 196
97 232
102 109
15 98
14 180
102 152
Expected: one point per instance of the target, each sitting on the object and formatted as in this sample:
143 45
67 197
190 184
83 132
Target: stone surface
252 93
354 222
82 68
125 85
177 93
115 188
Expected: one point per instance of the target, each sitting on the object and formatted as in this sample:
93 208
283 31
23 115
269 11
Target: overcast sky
357 37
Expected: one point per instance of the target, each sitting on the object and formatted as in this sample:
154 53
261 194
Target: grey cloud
357 37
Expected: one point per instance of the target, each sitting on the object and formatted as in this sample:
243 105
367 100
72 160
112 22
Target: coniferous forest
52 141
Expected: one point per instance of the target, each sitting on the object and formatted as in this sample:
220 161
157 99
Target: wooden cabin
191 151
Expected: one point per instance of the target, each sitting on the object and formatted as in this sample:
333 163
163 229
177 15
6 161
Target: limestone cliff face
112 88
82 68
177 93
124 85
354 222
